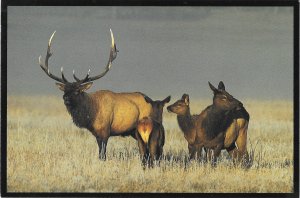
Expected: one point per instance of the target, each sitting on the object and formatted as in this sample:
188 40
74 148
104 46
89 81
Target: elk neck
185 122
156 117
216 121
83 111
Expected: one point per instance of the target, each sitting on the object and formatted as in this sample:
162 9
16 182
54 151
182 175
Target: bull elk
104 113
150 132
222 125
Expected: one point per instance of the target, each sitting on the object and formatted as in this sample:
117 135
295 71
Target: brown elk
104 113
222 125
150 132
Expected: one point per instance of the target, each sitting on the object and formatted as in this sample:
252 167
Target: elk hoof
213 164
102 158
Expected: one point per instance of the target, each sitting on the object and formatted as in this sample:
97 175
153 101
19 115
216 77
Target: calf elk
104 113
222 125
150 132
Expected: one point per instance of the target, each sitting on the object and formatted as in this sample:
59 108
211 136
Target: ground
46 152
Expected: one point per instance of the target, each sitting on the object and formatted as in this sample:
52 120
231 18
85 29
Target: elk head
157 107
223 100
73 90
181 106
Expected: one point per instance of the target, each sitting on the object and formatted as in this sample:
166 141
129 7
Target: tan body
118 112
105 113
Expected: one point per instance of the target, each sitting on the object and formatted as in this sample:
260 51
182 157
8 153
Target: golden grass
48 153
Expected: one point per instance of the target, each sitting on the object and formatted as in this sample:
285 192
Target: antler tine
62 75
44 65
74 76
87 75
85 79
112 56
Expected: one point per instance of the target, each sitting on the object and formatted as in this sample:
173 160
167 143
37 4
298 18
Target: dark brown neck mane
83 111
216 121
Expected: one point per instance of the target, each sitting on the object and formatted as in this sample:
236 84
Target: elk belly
144 128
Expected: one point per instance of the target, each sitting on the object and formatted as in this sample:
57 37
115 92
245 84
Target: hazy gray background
163 50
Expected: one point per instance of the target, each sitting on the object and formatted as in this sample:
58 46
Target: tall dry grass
48 153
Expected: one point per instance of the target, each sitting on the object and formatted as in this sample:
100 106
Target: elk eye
224 98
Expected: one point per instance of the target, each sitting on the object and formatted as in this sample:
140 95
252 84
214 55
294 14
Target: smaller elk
150 132
189 124
216 127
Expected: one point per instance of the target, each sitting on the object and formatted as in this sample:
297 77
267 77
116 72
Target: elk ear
186 99
215 90
221 86
148 100
60 86
85 86
167 99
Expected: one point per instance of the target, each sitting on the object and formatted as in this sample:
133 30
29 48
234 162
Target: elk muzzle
174 108
239 105
169 108
67 100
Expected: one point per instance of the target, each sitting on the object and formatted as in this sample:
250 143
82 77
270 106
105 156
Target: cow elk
222 125
104 113
150 132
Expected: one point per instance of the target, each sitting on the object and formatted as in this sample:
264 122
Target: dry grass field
48 153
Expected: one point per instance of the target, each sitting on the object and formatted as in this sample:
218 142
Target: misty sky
163 50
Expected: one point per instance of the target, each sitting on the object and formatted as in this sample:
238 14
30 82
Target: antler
112 56
45 67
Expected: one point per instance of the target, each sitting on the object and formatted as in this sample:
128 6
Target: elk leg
161 143
241 144
216 154
153 147
199 152
160 152
142 149
143 152
207 155
102 147
192 151
232 151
